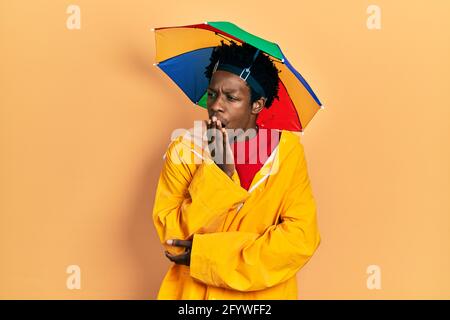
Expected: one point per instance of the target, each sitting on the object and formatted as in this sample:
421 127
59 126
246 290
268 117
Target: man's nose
216 105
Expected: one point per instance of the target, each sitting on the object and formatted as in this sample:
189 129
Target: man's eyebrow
226 91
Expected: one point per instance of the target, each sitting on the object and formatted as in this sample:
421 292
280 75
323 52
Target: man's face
229 100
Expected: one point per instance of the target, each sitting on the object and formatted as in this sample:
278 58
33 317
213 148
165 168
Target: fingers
180 243
183 258
214 131
218 142
224 144
213 126
227 148
214 137
219 133
210 125
219 145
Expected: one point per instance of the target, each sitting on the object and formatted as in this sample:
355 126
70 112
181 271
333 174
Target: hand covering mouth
223 122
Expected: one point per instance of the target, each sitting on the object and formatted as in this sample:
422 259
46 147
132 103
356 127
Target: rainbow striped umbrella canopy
183 53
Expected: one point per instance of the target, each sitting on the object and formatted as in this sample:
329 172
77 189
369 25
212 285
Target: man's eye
210 94
231 98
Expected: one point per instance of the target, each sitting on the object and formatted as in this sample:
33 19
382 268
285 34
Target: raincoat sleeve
246 261
188 203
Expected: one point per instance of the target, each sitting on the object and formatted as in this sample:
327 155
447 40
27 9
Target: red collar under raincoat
246 244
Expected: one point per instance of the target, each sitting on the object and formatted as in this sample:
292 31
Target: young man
236 229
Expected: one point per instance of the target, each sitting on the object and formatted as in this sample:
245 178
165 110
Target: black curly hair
263 69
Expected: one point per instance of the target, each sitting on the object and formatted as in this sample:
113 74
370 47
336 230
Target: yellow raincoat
246 244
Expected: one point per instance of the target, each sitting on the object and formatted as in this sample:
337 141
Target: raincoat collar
196 139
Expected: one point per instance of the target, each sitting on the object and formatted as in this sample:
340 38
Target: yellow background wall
85 119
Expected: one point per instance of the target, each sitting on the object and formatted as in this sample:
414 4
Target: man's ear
258 105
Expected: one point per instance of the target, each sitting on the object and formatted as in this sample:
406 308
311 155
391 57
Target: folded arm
246 261
187 204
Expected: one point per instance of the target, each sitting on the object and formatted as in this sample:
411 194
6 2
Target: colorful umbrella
183 53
